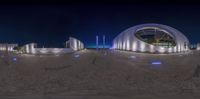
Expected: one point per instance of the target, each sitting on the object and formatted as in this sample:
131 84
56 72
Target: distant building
193 46
152 38
8 47
29 48
72 45
198 46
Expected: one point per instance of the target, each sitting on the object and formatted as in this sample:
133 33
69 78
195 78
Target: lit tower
97 42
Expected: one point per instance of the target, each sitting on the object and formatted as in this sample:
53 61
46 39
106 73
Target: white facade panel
8 47
128 41
76 44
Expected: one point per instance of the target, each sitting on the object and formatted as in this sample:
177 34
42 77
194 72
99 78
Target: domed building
153 38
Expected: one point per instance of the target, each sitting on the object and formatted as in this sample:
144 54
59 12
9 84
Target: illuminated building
152 38
198 46
72 45
8 47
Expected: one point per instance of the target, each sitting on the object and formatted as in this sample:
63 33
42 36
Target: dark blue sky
51 25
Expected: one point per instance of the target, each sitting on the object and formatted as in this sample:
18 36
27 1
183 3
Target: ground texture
100 74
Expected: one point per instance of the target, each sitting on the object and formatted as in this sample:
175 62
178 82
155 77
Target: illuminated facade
30 48
72 45
198 46
153 38
8 47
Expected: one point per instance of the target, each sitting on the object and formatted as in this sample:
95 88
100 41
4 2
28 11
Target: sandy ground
100 75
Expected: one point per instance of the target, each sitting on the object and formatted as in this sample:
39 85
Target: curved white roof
128 41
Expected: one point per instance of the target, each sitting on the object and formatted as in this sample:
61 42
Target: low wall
52 50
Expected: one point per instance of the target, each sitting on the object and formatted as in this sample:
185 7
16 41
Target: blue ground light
156 62
132 57
14 59
76 55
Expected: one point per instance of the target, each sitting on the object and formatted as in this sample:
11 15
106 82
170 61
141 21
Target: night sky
51 25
